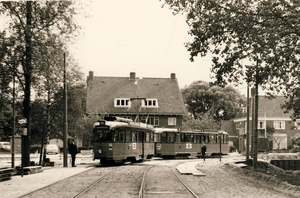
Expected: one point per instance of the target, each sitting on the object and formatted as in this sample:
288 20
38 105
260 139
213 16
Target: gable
270 108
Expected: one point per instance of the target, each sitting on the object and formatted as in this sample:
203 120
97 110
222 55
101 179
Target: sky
137 36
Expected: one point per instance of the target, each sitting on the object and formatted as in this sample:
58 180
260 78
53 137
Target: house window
150 102
172 121
279 124
150 120
122 102
261 125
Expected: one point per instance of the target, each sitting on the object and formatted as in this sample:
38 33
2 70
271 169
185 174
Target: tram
170 143
118 140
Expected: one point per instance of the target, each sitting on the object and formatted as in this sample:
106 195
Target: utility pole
252 116
247 135
13 124
65 116
255 135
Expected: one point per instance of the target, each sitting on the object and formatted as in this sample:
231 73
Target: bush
232 149
295 150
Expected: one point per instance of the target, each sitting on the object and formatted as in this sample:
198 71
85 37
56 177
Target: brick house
156 101
233 136
270 114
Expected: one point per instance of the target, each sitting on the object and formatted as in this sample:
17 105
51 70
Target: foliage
263 33
220 103
202 122
35 28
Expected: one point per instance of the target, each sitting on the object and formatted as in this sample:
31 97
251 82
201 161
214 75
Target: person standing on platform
203 151
73 152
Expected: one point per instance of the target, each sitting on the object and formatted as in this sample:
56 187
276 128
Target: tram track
93 184
143 181
168 184
73 185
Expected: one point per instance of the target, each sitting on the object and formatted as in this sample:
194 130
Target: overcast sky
123 36
137 36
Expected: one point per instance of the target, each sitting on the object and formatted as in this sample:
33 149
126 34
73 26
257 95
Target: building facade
271 117
155 101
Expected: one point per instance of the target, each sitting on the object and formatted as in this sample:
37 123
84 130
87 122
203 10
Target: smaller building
270 117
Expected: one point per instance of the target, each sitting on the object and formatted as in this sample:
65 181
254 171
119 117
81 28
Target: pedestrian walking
203 151
73 152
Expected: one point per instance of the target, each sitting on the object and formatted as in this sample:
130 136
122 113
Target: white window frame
150 103
172 121
263 124
280 126
122 102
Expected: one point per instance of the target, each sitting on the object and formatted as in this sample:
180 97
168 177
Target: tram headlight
100 151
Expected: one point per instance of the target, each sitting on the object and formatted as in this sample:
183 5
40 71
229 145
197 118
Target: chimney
132 76
91 74
173 76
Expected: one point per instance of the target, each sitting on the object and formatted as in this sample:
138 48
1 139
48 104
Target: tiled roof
269 107
229 127
101 92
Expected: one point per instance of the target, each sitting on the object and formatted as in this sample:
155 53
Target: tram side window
177 137
128 135
157 137
182 137
164 137
171 138
147 137
134 136
225 138
116 136
140 136
204 139
122 136
197 139
189 138
151 136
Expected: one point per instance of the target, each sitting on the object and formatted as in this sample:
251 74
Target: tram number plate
133 145
188 145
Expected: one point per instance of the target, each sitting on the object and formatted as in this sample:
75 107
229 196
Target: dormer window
150 102
122 102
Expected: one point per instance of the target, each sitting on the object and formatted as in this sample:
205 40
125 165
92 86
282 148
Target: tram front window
103 136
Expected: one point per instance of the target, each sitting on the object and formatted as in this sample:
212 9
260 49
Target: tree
76 111
221 103
202 122
265 33
31 24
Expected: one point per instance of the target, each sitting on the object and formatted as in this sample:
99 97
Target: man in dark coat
73 152
203 151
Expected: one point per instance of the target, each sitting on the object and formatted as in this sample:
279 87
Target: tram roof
160 130
115 124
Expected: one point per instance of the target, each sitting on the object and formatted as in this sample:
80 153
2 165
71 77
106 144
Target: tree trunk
27 74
